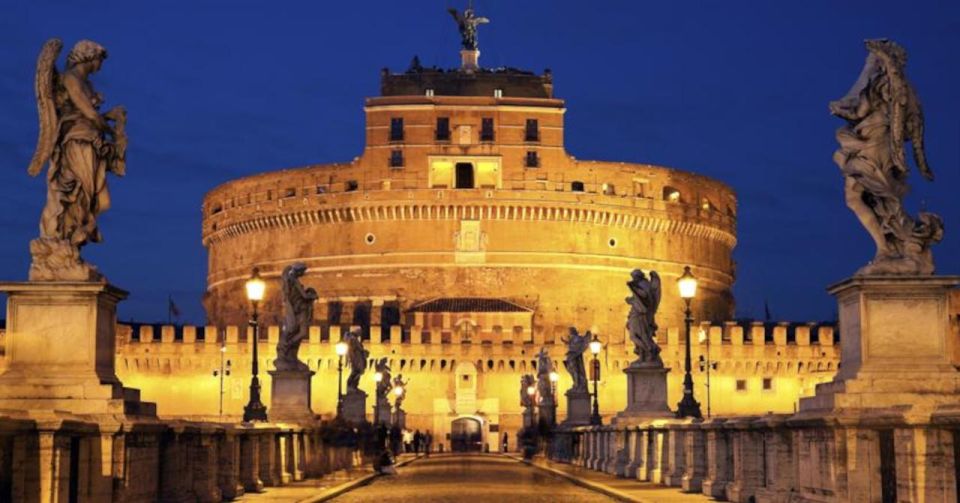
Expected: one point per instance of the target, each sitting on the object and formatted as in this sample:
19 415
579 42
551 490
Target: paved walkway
322 489
621 489
471 478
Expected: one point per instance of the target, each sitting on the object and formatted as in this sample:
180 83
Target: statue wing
914 127
481 20
45 88
654 291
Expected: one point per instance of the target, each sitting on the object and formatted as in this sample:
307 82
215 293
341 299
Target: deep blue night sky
734 90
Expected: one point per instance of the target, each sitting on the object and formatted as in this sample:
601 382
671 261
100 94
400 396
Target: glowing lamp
398 391
554 377
255 286
341 348
595 345
378 377
702 335
687 284
531 390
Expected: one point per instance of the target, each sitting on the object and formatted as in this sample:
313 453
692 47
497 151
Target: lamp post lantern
341 348
255 410
688 407
398 391
595 347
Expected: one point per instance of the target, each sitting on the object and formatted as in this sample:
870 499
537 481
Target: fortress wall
174 366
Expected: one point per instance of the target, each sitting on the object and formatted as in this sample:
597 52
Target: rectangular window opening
486 129
396 158
396 129
443 129
533 160
532 131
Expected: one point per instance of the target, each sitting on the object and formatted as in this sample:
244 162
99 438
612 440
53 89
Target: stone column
204 461
695 455
269 464
636 453
250 462
718 460
747 468
676 456
658 443
230 466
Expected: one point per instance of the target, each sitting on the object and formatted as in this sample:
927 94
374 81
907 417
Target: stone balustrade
778 458
62 457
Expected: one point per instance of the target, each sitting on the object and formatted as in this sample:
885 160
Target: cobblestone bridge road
449 478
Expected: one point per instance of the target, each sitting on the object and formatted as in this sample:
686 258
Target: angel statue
467 24
573 361
882 114
544 368
644 301
356 358
382 366
526 399
298 312
80 145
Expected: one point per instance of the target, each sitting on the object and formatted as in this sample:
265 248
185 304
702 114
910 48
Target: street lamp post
554 379
595 347
223 372
377 378
341 348
706 364
255 410
688 407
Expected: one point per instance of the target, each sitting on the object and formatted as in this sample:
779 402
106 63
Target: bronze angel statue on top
882 114
80 145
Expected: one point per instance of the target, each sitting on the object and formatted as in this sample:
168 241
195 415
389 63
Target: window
576 186
608 189
464 175
321 189
741 385
532 130
533 160
290 192
396 158
351 186
428 93
498 93
767 384
486 129
396 129
443 129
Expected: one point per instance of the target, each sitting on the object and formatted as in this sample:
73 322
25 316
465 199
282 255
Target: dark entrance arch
464 175
465 435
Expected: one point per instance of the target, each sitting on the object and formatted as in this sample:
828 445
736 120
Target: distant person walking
417 442
428 441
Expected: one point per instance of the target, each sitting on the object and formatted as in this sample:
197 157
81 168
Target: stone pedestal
61 345
469 60
382 410
578 408
646 393
895 343
547 410
290 395
400 418
529 417
354 407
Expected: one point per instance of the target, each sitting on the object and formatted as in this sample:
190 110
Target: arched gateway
466 435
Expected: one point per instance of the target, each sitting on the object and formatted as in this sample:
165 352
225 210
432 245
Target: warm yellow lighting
595 345
531 390
687 284
398 391
255 286
341 348
673 196
378 377
554 377
702 336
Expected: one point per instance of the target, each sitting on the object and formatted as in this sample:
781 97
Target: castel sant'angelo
461 241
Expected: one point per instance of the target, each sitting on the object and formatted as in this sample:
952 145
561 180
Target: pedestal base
895 346
578 408
290 395
383 411
400 418
354 407
646 393
547 412
61 341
